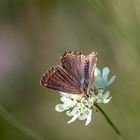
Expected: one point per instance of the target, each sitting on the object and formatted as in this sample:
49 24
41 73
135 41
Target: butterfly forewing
73 62
80 67
58 79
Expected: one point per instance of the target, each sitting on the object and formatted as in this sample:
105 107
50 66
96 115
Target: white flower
76 106
81 107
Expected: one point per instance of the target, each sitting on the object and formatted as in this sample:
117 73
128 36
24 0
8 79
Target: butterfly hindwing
58 79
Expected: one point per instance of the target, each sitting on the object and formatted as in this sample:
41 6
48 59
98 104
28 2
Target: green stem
110 122
13 122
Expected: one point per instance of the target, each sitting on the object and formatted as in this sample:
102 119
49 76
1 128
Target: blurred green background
33 35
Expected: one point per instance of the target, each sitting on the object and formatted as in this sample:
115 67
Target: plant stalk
110 122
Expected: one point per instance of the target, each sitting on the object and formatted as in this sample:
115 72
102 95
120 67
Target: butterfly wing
73 62
58 79
91 59
80 67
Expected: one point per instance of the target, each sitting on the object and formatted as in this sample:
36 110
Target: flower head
81 107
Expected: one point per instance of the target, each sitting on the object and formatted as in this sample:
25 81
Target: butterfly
74 75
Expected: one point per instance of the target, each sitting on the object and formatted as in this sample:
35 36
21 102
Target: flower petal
64 99
74 118
98 83
107 100
105 73
89 117
111 80
60 108
72 112
106 95
67 101
97 72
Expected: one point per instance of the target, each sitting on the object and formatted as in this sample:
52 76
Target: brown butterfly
74 75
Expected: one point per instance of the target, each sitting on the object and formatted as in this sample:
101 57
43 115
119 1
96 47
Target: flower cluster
81 107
